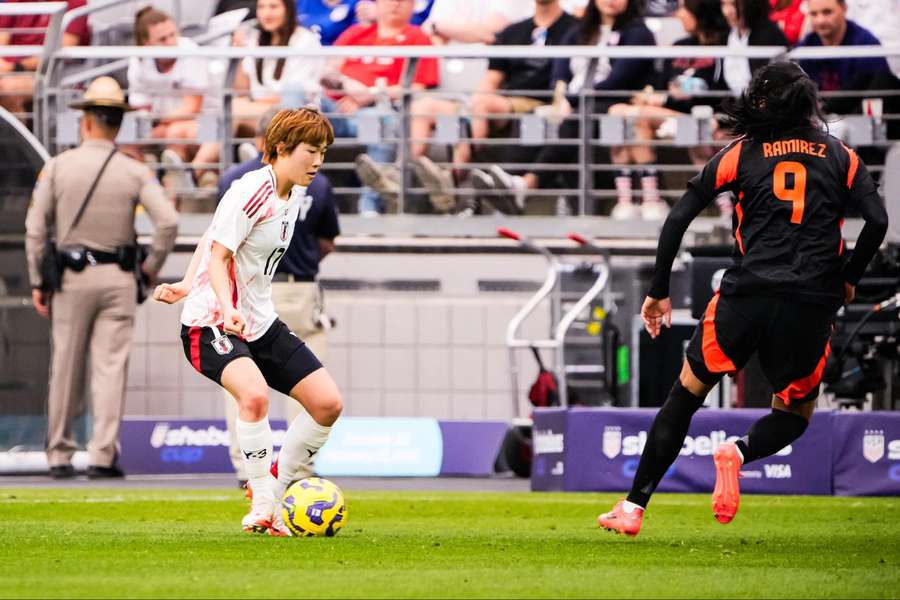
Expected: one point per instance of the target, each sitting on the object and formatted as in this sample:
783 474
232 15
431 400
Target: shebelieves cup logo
873 445
612 441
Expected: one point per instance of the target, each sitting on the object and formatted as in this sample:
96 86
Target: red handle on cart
508 233
579 239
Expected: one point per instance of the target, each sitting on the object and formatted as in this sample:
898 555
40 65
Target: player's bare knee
254 403
329 408
692 383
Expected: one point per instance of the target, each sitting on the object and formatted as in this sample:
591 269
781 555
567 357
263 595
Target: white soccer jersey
256 226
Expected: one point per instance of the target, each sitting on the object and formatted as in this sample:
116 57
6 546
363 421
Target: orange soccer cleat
619 521
726 496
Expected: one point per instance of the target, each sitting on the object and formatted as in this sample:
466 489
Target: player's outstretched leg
766 436
243 379
308 432
664 441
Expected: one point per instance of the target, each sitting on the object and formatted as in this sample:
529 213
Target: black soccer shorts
792 339
281 356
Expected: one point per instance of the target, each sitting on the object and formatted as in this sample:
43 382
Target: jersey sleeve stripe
854 165
739 210
727 170
260 203
254 197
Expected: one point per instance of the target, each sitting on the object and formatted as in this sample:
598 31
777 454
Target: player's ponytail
779 99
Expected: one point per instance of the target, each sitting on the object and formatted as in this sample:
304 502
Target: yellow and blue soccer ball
314 506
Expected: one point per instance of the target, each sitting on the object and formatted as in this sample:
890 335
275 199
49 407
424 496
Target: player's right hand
655 314
234 322
170 293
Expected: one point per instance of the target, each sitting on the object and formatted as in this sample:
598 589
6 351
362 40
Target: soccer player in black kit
792 184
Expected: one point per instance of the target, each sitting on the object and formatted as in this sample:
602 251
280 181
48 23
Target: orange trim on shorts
713 356
727 170
801 387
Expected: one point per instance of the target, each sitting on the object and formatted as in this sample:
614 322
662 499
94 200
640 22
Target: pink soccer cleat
726 496
619 521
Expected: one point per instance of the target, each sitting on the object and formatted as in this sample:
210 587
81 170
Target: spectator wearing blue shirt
295 288
830 27
329 18
422 10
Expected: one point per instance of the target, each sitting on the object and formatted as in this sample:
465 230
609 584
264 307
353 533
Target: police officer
295 289
92 312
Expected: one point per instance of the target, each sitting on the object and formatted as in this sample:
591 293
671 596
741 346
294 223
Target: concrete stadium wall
438 354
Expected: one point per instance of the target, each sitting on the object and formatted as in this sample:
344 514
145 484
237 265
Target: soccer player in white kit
230 331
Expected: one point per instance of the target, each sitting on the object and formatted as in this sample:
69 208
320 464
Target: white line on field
119 499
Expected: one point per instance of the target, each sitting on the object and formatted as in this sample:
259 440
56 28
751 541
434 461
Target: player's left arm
863 196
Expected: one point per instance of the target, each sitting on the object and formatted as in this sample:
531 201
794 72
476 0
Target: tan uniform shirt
108 220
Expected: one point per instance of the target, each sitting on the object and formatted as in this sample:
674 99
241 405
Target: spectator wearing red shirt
790 15
17 74
372 85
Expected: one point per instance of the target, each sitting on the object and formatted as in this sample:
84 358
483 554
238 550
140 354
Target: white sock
301 443
630 507
255 441
739 453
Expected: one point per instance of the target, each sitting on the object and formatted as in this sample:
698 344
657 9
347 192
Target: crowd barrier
841 453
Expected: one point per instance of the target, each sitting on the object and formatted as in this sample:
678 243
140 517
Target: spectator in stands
832 28
276 81
329 18
473 21
547 27
882 18
790 16
17 73
363 85
173 91
750 26
224 6
686 80
605 23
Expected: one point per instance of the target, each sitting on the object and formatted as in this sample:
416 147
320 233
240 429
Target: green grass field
63 543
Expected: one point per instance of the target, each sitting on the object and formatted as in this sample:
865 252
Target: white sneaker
623 211
654 210
384 179
177 174
438 182
247 152
514 203
262 513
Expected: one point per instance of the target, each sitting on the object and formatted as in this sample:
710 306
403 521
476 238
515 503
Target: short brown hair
290 128
146 18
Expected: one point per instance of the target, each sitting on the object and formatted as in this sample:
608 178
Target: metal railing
58 85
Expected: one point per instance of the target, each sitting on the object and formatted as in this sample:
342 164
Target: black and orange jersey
790 196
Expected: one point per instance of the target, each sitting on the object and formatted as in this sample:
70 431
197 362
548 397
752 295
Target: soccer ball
313 506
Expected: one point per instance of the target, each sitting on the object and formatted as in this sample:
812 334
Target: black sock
664 442
770 434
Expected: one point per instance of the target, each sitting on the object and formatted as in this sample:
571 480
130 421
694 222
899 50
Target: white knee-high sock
255 440
301 443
